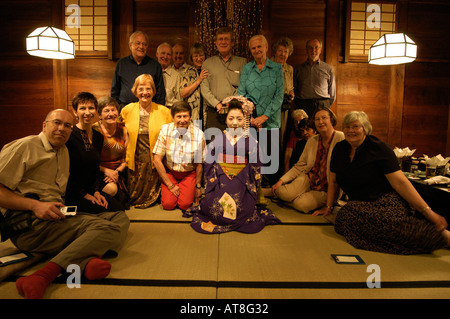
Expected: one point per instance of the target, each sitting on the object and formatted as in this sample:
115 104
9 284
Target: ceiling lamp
395 48
50 43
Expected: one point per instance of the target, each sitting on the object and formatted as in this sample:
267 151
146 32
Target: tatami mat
303 254
103 291
164 258
165 251
284 212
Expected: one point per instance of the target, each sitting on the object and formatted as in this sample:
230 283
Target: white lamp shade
50 43
396 48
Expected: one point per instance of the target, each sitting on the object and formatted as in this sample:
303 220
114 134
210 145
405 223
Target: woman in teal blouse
262 82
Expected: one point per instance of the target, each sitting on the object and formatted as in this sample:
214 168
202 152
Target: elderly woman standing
382 201
191 79
282 49
143 120
305 184
262 82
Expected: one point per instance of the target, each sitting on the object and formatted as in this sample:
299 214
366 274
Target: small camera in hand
69 210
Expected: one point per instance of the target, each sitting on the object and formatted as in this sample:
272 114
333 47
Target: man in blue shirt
130 67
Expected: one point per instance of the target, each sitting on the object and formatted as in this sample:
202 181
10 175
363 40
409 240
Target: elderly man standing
130 67
172 78
314 81
224 72
179 58
34 172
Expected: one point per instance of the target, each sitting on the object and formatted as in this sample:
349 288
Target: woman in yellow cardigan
143 121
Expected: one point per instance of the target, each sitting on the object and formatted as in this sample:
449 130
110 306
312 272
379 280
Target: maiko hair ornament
247 108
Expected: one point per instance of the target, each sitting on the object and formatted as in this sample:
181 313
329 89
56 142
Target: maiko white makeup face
235 119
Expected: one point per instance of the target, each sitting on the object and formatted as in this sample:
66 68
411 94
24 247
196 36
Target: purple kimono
232 176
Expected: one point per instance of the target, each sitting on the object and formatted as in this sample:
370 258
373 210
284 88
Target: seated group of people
384 211
150 151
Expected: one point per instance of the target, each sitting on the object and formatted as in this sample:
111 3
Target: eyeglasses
354 127
58 123
323 118
198 56
138 43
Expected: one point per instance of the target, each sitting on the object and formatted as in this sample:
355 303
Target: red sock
34 285
96 269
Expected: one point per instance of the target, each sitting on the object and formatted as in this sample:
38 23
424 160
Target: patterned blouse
189 76
113 151
318 173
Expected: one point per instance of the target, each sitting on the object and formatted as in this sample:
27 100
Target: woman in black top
85 145
379 215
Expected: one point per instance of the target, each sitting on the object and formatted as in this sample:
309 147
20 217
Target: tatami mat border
155 221
251 284
188 222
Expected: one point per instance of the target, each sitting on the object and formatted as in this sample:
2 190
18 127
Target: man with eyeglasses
224 72
314 81
130 67
34 172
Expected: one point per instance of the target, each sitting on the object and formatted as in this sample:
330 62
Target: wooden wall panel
361 87
163 21
92 75
427 25
426 107
427 80
26 96
298 20
26 82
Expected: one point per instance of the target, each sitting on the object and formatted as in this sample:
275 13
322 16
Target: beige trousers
76 239
299 194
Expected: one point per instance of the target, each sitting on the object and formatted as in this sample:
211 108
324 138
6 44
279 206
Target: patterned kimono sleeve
209 167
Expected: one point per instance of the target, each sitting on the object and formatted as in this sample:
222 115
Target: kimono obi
232 159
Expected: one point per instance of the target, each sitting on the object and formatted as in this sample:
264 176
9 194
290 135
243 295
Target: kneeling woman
85 145
112 157
380 214
233 178
178 158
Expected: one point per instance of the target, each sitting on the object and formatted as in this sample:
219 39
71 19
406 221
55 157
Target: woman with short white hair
380 213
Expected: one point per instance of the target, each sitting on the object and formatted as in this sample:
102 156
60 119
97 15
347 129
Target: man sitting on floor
34 172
